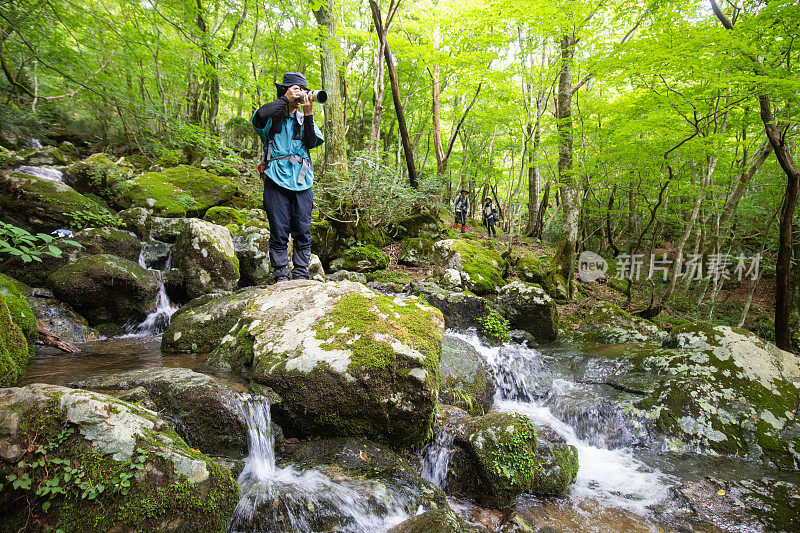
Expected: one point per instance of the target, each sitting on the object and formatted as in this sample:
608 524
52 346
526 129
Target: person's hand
307 103
293 93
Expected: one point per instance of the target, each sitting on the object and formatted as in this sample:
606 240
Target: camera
317 96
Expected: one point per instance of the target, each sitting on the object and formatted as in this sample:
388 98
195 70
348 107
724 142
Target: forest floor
726 307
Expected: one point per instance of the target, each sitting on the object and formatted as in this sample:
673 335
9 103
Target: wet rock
728 391
461 310
60 318
467 380
168 229
252 249
89 440
344 359
482 269
366 258
608 324
156 254
201 324
435 521
205 256
340 275
203 411
45 156
14 349
138 221
416 252
528 307
38 204
14 294
106 289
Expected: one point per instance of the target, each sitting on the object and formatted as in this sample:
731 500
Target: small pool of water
103 358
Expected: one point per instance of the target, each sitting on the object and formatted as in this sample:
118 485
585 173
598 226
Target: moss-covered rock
436 521
482 269
329 239
204 412
223 216
467 380
40 205
14 348
45 156
205 256
252 249
532 269
416 252
110 464
97 174
344 359
529 308
361 259
727 391
609 324
418 226
176 192
461 310
8 158
556 286
504 454
15 294
167 229
106 289
137 220
201 324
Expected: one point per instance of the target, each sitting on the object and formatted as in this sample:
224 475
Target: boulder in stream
435 521
467 379
106 289
108 465
607 323
529 308
461 310
97 174
205 256
345 360
14 348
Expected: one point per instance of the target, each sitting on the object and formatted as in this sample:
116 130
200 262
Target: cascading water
436 459
612 478
287 499
157 321
41 172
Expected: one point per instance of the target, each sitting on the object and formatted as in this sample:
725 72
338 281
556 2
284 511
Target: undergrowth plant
495 326
16 242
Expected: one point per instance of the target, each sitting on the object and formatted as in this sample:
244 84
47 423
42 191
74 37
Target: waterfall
613 478
289 499
436 458
157 321
41 172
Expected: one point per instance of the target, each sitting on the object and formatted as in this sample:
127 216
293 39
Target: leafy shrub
495 326
17 242
94 219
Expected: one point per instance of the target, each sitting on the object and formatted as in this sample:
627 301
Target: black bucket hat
293 78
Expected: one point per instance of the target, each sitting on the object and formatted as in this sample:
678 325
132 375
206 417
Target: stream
626 482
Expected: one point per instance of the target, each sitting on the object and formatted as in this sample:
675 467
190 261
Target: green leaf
45 506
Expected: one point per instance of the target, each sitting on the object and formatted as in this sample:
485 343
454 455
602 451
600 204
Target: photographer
288 133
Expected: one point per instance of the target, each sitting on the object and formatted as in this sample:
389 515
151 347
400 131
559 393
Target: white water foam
159 318
613 478
50 174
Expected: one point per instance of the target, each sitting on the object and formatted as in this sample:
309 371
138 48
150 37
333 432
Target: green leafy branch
16 242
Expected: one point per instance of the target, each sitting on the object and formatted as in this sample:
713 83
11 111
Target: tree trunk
437 126
335 128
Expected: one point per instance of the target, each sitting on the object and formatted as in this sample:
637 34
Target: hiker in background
489 218
461 208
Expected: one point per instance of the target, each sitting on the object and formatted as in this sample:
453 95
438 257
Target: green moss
485 266
389 276
97 174
14 349
532 269
154 192
21 313
93 492
364 259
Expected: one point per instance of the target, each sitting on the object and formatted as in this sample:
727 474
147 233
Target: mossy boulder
117 465
467 379
106 289
607 323
529 308
556 286
503 456
240 218
204 412
45 156
727 391
461 310
166 229
37 204
138 221
532 269
176 192
361 259
416 252
200 325
435 521
252 249
14 348
482 269
8 158
97 174
345 360
15 295
205 256
418 226
330 239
